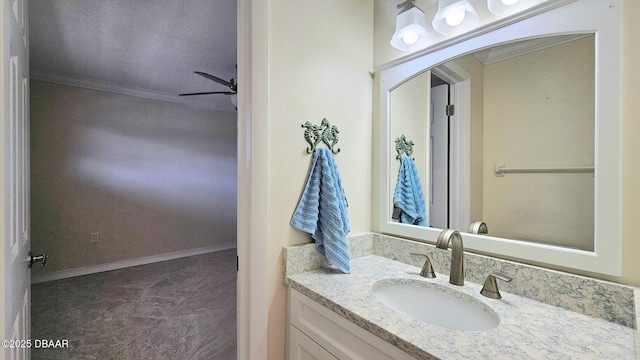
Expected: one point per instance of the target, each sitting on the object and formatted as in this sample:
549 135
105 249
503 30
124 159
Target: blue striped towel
408 196
322 210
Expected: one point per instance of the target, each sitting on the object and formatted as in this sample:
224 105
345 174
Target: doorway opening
457 173
124 177
439 166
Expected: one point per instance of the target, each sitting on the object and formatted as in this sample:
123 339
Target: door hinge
449 110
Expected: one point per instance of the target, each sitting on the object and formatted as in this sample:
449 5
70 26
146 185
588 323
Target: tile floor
179 309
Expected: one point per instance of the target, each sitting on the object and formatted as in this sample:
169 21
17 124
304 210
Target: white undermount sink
435 304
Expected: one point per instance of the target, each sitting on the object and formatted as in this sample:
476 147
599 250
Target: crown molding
129 91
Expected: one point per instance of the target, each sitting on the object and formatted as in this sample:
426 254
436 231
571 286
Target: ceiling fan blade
216 79
208 92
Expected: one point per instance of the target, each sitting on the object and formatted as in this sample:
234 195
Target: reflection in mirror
532 141
408 200
408 172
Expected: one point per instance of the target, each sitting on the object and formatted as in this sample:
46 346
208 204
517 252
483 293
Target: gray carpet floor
178 309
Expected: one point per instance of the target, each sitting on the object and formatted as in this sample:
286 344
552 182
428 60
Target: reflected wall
539 112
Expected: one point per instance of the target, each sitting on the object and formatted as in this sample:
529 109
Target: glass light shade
454 16
505 7
411 30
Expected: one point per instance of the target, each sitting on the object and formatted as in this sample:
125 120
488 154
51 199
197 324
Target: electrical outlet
95 237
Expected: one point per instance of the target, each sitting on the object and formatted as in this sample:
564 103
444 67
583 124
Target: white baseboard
86 270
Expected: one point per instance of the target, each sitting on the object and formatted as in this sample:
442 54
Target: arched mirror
514 138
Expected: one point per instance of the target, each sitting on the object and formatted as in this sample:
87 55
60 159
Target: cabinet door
301 347
342 338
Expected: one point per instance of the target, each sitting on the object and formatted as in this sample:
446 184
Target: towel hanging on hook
322 210
324 132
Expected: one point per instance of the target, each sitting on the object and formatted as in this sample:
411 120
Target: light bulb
455 16
410 37
509 2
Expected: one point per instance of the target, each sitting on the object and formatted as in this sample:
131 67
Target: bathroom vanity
338 316
554 211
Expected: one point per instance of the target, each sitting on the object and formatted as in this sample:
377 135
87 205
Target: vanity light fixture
455 16
411 28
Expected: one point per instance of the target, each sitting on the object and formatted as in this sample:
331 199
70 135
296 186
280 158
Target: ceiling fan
231 84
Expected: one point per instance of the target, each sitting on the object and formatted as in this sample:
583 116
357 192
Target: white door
439 162
15 175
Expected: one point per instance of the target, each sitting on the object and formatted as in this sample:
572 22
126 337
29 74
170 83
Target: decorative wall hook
324 132
403 146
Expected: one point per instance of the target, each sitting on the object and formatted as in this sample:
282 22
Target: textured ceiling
148 47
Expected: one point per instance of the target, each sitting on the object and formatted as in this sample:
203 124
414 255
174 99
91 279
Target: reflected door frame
459 144
439 156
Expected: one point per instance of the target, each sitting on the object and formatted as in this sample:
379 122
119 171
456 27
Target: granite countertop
528 328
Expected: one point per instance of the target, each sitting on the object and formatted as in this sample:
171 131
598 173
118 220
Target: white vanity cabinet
316 332
301 347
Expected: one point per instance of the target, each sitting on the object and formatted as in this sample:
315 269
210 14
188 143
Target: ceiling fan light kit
234 100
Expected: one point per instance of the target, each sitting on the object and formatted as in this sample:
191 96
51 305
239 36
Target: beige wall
319 67
538 112
151 177
630 144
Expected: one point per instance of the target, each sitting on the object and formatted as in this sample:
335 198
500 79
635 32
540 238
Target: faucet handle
427 269
478 227
490 288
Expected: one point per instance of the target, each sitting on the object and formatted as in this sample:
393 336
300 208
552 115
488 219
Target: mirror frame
600 18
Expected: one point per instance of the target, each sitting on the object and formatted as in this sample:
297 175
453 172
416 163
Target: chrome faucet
456 276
